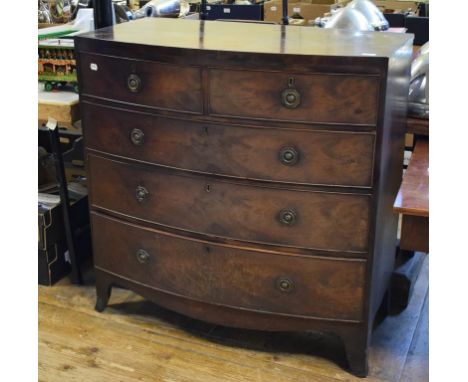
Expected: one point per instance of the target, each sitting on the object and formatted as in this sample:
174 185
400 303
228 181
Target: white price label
273 8
297 10
227 10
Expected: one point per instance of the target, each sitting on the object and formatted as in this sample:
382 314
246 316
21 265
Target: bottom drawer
230 276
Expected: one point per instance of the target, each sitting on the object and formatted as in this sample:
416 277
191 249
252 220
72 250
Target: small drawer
282 155
268 215
311 98
230 276
146 83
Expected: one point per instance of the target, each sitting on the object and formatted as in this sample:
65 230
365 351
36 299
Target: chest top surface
252 38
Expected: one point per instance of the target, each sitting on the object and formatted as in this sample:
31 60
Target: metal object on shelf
159 8
349 19
43 12
418 97
372 14
358 15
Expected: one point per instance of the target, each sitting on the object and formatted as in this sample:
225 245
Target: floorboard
417 362
134 340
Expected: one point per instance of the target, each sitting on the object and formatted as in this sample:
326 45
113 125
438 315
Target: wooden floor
134 340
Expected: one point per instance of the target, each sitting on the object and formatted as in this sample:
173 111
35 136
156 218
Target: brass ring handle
141 193
284 284
134 83
142 256
287 217
288 155
137 137
290 98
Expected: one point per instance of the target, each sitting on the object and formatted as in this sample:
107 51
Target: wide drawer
229 276
283 155
296 218
145 83
331 98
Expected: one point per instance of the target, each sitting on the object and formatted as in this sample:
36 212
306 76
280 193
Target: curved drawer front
332 98
284 284
283 155
302 219
142 82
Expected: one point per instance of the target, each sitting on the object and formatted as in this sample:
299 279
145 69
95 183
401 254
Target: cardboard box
392 6
340 4
297 22
65 114
396 6
323 2
273 10
409 140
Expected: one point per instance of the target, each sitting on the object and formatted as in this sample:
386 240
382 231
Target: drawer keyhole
290 97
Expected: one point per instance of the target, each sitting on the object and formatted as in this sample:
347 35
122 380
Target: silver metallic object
372 14
418 97
43 12
159 8
349 19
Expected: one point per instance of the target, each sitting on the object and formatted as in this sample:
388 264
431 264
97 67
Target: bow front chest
244 174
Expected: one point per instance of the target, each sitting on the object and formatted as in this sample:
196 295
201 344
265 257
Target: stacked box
273 10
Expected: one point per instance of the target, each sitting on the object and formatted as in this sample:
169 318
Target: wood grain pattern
281 41
324 158
135 340
324 98
325 221
417 126
399 338
231 277
413 196
356 84
416 367
414 233
158 88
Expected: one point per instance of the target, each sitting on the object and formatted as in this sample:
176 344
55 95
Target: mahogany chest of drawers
244 174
